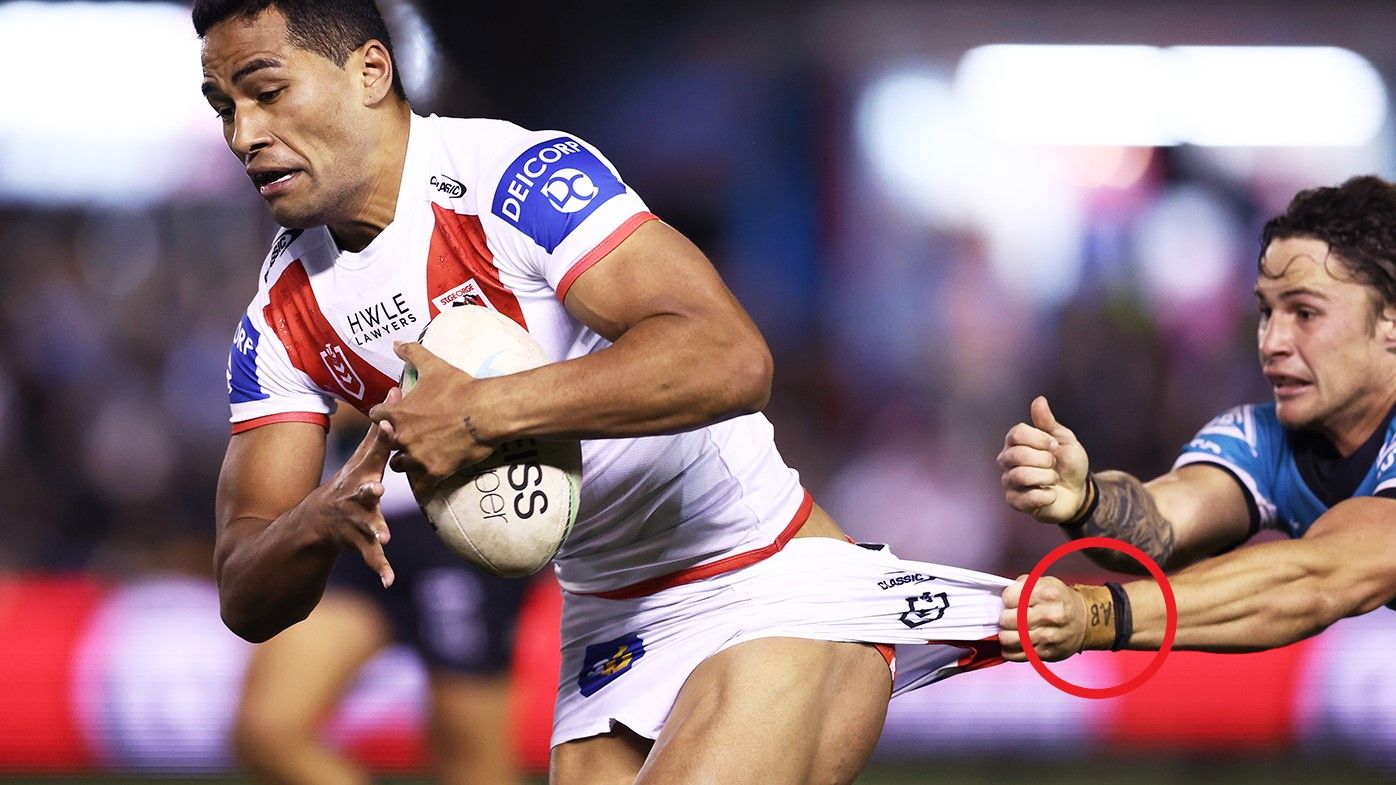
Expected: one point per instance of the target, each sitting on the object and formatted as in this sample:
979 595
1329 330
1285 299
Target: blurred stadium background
932 214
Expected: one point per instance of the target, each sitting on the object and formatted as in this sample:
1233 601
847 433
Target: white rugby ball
511 512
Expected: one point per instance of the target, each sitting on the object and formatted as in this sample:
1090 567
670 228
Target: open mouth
1285 385
270 181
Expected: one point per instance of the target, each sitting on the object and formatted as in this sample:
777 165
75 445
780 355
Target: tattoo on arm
1126 512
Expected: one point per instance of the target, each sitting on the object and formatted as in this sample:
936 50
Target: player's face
289 115
1321 344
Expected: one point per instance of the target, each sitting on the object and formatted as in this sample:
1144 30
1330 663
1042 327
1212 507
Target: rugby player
717 624
1317 463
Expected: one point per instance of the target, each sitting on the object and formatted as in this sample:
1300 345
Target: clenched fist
1044 467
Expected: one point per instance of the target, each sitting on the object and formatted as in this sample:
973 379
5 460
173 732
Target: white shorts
624 661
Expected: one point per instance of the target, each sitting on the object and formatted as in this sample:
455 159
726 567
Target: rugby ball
511 512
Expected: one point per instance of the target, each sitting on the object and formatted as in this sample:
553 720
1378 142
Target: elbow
245 627
748 380
253 624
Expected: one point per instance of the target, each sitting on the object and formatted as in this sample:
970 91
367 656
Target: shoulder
1252 424
468 145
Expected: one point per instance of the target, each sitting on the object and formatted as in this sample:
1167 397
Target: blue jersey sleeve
1386 465
1242 442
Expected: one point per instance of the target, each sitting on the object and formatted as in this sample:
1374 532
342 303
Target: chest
339 315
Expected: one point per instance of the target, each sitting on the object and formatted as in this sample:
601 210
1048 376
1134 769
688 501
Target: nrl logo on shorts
448 186
605 662
925 608
338 364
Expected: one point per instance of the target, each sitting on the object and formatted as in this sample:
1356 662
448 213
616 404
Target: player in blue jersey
1317 463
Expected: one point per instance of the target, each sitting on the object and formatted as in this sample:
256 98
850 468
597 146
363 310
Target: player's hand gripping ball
511 512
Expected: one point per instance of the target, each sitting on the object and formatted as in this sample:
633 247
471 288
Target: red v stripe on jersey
315 348
459 254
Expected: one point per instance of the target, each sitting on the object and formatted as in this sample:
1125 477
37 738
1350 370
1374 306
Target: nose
1275 337
249 134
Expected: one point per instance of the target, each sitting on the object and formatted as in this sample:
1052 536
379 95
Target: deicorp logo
552 187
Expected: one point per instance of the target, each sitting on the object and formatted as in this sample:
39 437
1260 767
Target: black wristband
1088 504
1124 617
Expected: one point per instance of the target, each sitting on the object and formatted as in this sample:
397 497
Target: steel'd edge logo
449 186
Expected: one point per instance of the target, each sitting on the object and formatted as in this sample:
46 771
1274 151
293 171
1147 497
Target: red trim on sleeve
315 418
712 569
599 252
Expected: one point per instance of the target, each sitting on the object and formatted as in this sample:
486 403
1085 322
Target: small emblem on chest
342 372
468 293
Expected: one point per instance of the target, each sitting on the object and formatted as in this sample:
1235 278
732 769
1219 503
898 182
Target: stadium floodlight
1252 96
1067 95
105 107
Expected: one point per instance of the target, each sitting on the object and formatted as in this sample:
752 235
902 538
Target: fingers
1030 437
1023 455
1024 478
370 533
1049 620
372 453
383 412
377 560
1012 594
416 354
367 495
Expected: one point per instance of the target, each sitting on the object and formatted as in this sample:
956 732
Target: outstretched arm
1276 593
1256 598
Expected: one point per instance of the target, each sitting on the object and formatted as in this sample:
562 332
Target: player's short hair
330 28
1358 222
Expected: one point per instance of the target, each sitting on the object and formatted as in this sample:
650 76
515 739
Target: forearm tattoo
1126 512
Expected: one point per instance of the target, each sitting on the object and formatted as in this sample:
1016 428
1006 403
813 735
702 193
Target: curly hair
1358 222
330 28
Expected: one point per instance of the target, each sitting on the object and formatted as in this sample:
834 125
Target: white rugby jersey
492 215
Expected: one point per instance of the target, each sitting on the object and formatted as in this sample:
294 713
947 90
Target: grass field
1172 771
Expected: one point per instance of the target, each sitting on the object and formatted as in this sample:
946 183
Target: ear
1386 327
376 68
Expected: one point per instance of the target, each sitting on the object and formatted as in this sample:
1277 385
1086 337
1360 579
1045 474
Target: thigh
776 711
295 678
611 758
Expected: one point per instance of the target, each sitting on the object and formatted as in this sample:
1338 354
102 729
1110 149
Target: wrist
1109 619
482 415
1090 499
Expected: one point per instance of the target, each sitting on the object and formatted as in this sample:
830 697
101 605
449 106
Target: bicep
269 470
655 271
1206 507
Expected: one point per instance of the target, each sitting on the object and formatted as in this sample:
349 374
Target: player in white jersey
717 624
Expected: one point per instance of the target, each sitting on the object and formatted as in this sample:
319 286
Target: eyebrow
244 72
1295 291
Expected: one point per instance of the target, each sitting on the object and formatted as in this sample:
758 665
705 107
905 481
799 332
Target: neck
382 186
